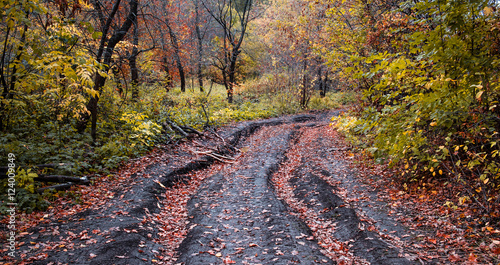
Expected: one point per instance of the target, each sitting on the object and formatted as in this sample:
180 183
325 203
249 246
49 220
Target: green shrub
26 198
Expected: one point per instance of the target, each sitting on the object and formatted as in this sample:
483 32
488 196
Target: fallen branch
50 165
58 187
204 145
201 152
60 179
339 149
218 136
219 159
212 154
191 129
222 156
177 128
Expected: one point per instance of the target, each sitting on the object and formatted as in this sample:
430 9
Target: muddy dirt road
276 191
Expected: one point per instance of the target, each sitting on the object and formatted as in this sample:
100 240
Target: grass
197 109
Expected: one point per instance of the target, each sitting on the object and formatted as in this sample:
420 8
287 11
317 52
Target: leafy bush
25 197
430 102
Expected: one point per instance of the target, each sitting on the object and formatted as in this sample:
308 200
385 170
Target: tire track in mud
310 180
245 215
236 217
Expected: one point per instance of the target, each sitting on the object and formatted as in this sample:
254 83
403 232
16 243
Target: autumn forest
408 88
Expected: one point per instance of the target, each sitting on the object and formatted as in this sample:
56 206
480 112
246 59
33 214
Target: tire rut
236 217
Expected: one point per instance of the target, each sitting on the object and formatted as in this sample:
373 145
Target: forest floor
285 190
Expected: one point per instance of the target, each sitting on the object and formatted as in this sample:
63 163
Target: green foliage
25 197
25 179
143 130
332 100
47 78
197 109
431 102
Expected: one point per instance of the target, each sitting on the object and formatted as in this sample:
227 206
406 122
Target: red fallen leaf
472 257
495 250
227 260
453 257
41 256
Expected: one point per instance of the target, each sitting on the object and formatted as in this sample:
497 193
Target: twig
177 128
219 159
191 129
204 145
218 136
222 156
214 155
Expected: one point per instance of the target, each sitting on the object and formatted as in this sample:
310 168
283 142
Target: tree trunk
170 83
325 84
181 72
6 94
116 76
177 56
134 72
303 101
200 45
227 85
232 73
322 91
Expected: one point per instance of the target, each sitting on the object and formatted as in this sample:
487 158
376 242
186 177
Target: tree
134 71
105 52
175 45
233 18
139 33
199 46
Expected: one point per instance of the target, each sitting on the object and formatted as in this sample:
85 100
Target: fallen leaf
454 257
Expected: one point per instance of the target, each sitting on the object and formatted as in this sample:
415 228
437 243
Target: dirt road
276 191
